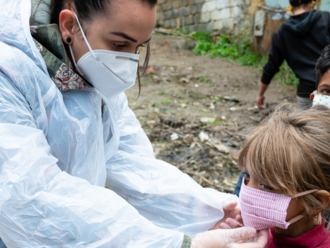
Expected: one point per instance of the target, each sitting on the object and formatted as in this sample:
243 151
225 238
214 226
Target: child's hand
231 210
232 224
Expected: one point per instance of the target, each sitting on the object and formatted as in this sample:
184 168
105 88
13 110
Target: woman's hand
231 210
230 238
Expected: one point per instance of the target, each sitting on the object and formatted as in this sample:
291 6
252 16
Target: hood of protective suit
300 25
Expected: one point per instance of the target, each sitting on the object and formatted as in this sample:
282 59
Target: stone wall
207 15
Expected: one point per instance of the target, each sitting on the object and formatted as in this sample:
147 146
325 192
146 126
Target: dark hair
87 9
297 3
323 64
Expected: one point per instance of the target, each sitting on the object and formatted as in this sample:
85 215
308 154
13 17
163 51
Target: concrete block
160 16
173 23
218 25
176 4
205 17
169 5
209 6
182 22
183 3
197 1
167 15
221 4
197 18
220 14
237 2
160 23
185 11
167 24
175 13
197 8
192 28
163 7
189 20
236 11
205 27
228 24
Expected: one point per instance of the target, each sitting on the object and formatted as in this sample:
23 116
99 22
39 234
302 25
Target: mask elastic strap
295 219
83 34
298 217
304 193
74 61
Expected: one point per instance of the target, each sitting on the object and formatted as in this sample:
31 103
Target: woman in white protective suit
66 131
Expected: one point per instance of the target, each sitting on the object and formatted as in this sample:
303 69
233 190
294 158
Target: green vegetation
204 80
162 102
239 50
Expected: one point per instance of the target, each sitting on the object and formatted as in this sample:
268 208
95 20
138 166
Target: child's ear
311 96
324 197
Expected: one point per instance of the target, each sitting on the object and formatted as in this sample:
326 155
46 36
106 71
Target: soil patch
197 110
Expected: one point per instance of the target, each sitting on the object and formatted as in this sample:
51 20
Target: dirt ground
197 110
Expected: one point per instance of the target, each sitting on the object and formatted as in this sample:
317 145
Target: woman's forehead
132 17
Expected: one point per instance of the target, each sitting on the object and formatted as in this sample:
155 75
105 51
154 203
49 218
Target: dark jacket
300 41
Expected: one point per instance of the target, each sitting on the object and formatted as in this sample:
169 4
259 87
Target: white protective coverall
57 151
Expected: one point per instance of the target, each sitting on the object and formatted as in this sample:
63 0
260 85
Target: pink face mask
262 209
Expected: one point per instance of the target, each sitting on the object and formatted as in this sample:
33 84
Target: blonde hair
290 150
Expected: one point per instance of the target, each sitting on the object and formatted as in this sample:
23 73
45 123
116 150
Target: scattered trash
174 136
203 136
222 148
151 70
231 98
212 106
184 80
207 119
196 85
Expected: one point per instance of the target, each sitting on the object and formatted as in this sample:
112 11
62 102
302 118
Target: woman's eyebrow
324 85
125 36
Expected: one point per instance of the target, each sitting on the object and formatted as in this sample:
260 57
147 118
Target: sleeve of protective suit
158 190
41 206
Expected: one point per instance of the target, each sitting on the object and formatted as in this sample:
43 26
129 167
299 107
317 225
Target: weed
161 93
217 99
204 80
144 82
162 102
239 50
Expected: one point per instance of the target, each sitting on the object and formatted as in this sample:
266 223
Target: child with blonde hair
286 185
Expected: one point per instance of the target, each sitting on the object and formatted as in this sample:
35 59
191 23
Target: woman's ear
66 25
312 95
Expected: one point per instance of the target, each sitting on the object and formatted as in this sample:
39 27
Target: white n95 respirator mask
110 72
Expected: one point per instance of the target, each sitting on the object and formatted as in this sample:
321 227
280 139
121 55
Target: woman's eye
326 92
266 187
246 176
119 45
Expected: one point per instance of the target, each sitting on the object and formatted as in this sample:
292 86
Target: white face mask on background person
320 99
110 72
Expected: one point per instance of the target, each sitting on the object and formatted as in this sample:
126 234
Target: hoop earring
68 40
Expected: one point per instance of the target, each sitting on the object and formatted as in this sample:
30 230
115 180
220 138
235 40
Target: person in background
322 93
300 41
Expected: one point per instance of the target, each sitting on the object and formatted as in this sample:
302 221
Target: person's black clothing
300 41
